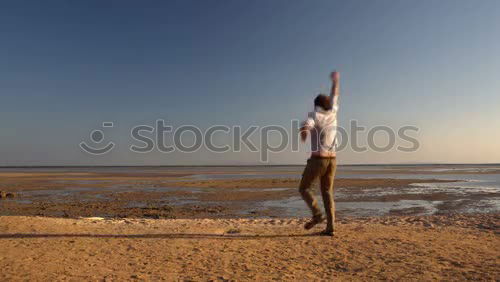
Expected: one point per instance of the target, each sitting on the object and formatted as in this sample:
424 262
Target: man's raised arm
334 94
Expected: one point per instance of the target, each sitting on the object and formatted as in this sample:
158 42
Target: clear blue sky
67 66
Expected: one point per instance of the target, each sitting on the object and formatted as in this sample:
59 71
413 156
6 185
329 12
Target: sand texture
449 247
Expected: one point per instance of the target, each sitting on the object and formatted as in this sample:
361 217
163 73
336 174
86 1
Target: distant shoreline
250 165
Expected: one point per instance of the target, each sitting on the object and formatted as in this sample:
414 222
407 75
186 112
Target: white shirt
323 127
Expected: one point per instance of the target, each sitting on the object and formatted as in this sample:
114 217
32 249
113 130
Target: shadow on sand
154 236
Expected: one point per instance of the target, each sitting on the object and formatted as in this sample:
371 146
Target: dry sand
396 248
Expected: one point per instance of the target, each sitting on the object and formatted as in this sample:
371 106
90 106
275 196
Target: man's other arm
307 125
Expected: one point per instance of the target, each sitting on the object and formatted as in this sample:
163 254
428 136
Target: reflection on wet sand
245 191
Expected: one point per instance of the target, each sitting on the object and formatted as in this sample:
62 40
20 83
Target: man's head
323 102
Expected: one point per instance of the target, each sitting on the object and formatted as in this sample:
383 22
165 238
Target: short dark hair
323 101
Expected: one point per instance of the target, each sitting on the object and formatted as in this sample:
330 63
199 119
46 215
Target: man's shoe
327 233
315 220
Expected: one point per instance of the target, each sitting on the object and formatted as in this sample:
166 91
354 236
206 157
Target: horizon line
237 165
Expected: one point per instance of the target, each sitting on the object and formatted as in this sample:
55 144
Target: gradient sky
67 66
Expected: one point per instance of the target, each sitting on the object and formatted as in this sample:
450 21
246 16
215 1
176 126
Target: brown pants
324 169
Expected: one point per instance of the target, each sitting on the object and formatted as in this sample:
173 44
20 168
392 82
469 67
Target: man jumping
322 124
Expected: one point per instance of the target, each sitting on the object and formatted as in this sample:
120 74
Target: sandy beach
174 225
395 248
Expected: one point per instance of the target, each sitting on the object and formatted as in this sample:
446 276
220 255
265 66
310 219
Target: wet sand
383 248
123 195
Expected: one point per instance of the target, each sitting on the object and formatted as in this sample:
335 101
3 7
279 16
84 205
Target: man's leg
312 171
327 180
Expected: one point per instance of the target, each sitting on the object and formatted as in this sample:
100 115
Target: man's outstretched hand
334 94
335 76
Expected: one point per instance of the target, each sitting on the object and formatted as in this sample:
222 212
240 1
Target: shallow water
477 192
294 206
